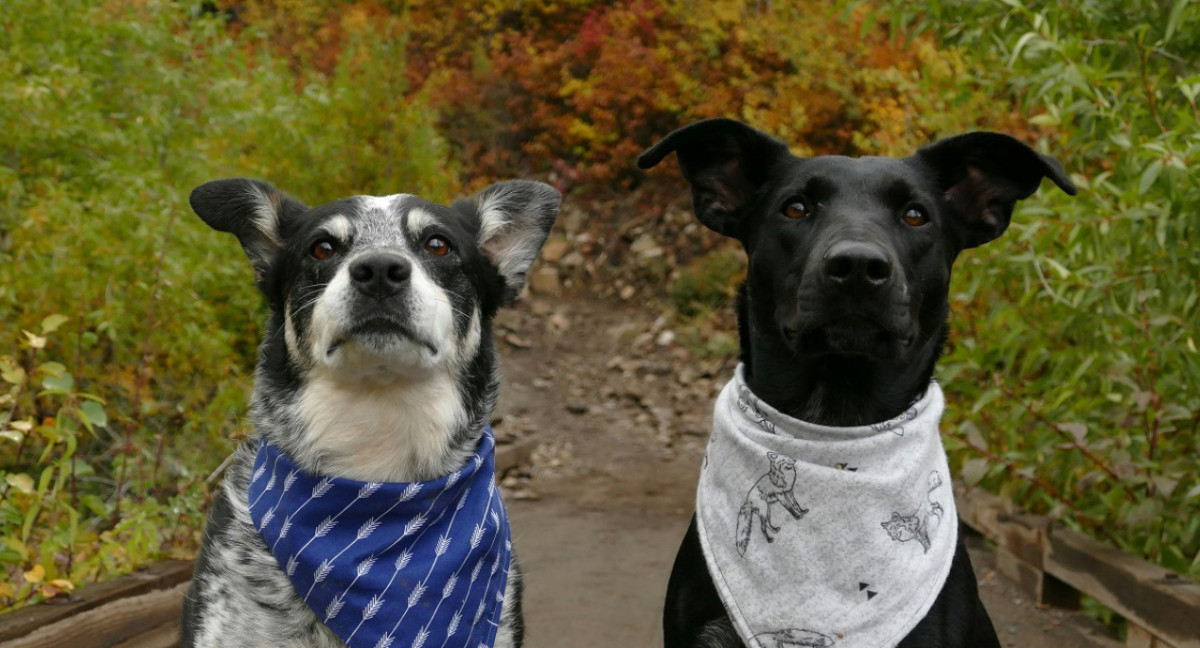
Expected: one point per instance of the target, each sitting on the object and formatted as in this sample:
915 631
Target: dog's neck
831 389
399 430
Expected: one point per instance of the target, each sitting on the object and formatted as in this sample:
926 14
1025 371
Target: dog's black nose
380 274
857 265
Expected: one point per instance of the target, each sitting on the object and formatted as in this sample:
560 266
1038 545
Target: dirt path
616 415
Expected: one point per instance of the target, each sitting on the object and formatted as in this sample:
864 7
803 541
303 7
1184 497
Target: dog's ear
983 175
251 210
515 218
726 163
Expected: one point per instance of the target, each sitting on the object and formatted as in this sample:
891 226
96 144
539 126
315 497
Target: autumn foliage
577 88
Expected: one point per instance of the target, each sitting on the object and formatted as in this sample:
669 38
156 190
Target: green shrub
1074 364
112 418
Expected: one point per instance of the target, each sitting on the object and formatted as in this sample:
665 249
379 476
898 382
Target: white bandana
825 536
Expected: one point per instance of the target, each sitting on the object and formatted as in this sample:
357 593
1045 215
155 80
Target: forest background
129 329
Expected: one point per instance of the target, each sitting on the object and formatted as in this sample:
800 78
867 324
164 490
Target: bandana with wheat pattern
402 565
825 536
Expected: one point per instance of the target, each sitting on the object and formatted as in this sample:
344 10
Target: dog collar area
385 564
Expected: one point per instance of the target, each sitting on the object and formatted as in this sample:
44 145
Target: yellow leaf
35 341
63 584
21 426
35 575
21 482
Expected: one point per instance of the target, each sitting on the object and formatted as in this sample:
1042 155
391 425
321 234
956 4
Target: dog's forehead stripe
381 203
339 227
416 220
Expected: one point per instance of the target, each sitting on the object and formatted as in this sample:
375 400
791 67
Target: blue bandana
409 565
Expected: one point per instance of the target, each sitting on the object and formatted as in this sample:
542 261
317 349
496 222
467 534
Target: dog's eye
437 246
322 250
796 210
914 217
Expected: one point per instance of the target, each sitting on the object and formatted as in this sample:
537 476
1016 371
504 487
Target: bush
1075 364
579 88
116 411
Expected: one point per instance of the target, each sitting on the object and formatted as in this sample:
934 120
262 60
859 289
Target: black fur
844 310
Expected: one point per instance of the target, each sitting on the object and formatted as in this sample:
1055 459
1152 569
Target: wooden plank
163 636
1139 637
158 576
1021 543
512 455
980 510
110 624
1163 603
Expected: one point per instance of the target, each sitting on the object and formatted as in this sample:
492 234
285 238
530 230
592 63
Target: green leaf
51 323
1144 513
974 470
1173 19
20 481
12 373
1149 175
92 413
59 384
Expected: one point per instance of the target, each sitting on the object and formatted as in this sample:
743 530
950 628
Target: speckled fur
404 405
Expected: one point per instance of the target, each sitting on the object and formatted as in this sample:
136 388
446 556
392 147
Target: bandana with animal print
825 536
390 564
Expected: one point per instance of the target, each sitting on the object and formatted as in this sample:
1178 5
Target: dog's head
387 296
852 257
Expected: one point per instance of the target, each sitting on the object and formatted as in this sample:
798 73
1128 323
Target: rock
554 249
577 409
645 247
571 219
572 260
627 292
666 338
517 341
545 281
558 323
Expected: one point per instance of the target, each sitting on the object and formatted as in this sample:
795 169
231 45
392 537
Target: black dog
844 310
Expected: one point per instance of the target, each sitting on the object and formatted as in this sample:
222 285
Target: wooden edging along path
140 610
1057 565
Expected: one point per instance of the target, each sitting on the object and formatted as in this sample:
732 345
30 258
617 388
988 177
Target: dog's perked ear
515 218
251 210
983 175
726 163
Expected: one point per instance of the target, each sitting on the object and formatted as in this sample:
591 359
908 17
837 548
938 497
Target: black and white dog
364 511
824 516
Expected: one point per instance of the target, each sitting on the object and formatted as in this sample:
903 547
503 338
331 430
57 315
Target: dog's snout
381 274
857 265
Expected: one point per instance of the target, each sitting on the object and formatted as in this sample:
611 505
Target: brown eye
796 210
322 250
437 246
915 217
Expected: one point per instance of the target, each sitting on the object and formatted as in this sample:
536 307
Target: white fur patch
338 227
381 203
266 214
419 220
393 429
